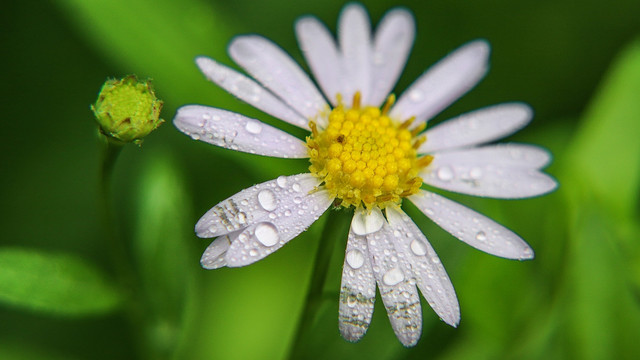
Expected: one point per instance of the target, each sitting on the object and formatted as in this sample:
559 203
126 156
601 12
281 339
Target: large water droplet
481 236
363 223
281 181
393 277
355 259
418 247
267 199
267 234
253 127
445 173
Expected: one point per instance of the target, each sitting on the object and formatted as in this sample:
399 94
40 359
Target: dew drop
355 259
253 252
351 301
364 224
253 127
267 234
296 187
445 173
418 247
281 181
267 199
393 277
242 218
481 236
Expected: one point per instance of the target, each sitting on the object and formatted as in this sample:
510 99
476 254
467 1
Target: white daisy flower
369 152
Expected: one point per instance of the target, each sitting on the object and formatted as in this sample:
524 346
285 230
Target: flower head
127 109
367 152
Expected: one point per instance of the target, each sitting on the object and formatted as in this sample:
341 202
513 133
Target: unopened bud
127 110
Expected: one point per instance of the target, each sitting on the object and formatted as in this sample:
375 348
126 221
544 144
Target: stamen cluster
366 158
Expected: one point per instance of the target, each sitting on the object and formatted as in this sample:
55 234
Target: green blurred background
576 62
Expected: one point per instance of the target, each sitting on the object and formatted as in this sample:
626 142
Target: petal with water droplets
471 227
288 213
399 294
213 256
504 181
357 290
249 91
354 35
277 71
507 155
431 277
255 204
391 46
477 127
444 83
237 132
322 55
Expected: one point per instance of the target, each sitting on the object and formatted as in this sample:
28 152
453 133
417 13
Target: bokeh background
576 62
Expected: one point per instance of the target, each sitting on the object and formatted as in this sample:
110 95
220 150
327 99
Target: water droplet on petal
242 218
296 187
253 127
355 259
393 277
281 181
267 199
445 173
267 234
418 247
481 236
364 224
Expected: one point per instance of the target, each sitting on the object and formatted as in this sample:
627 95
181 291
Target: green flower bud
127 109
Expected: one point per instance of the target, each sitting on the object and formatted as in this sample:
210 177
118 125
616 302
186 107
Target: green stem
335 229
117 247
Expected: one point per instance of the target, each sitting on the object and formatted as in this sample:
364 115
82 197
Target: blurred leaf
162 238
54 283
606 151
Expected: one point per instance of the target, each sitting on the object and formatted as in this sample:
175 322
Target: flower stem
116 245
335 229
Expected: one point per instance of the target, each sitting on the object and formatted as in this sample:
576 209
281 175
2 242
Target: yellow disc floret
365 158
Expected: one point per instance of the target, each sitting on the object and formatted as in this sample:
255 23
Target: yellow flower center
363 157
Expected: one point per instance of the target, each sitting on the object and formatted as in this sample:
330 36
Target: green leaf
53 283
605 155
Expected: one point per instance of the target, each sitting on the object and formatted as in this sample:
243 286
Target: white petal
321 53
504 181
249 91
431 277
277 71
443 83
293 214
213 256
367 221
395 280
477 127
471 227
256 204
508 155
237 132
354 34
392 44
357 291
